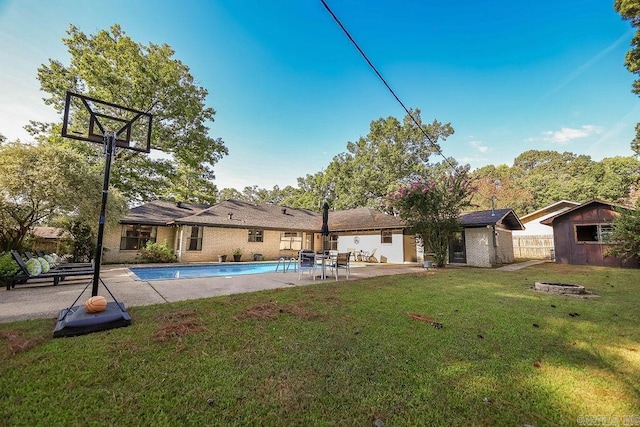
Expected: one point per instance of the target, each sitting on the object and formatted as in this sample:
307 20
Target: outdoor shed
581 234
485 239
536 240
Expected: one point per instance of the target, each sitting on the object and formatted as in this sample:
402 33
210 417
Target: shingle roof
238 213
159 212
50 232
260 215
362 219
506 217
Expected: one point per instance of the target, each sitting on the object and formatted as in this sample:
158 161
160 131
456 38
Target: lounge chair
371 257
341 261
56 275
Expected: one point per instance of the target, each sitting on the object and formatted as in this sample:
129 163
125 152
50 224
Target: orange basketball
95 304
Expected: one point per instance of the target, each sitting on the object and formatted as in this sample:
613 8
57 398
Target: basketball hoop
117 127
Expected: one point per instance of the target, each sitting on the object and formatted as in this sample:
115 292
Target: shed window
256 235
195 240
593 233
135 236
386 236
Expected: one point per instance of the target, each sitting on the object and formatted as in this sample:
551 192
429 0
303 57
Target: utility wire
375 70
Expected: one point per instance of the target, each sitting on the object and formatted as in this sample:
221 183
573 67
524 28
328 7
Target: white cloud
566 135
478 146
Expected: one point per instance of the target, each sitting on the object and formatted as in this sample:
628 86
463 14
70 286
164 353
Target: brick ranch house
200 233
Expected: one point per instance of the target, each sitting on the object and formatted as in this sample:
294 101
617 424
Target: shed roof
506 217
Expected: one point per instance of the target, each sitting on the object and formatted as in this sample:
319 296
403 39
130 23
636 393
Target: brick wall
223 241
215 241
479 247
111 241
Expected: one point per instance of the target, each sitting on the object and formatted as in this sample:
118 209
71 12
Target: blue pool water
204 270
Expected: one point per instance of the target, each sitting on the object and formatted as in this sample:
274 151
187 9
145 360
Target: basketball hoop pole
109 144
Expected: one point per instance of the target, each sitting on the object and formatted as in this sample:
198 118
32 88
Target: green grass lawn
346 354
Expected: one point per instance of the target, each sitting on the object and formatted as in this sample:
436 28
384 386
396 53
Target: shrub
8 267
156 252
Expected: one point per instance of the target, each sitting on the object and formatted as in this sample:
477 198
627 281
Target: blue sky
290 90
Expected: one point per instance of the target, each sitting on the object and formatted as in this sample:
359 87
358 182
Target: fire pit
559 288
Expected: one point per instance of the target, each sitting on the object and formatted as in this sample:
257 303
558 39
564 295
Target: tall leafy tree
392 151
618 178
553 176
630 10
112 67
40 183
431 207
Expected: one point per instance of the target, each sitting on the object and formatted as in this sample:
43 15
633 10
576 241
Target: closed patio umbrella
325 224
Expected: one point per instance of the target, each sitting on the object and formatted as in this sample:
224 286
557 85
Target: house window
386 236
136 236
290 240
333 242
195 240
256 235
593 233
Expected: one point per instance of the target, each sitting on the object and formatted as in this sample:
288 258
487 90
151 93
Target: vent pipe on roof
284 211
230 215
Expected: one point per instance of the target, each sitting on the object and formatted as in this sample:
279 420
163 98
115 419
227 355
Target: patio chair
56 275
341 261
306 262
352 251
371 257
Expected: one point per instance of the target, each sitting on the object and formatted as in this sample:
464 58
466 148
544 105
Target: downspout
179 235
495 245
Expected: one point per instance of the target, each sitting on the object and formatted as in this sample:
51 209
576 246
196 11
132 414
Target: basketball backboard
88 119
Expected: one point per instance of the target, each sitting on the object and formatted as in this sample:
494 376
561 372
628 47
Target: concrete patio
42 300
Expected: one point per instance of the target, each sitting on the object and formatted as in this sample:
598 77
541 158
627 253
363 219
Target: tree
497 188
112 67
552 176
431 208
392 152
630 10
618 178
41 182
625 238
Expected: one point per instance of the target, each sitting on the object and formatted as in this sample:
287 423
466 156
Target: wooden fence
533 247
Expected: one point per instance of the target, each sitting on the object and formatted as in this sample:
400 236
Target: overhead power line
375 70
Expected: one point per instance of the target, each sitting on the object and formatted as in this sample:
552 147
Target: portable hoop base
76 321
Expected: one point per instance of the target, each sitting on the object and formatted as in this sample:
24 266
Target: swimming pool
204 270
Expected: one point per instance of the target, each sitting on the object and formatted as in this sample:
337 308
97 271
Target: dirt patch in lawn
272 310
16 342
176 325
